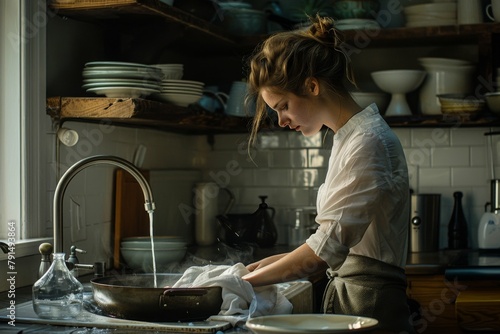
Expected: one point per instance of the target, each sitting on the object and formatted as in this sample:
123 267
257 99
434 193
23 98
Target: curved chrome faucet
75 169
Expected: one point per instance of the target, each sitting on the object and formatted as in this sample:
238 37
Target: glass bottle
457 227
57 294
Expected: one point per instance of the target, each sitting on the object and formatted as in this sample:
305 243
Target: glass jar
57 294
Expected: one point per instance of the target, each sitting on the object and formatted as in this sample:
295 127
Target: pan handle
184 292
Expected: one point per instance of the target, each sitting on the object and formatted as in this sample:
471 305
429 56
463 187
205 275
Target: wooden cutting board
131 219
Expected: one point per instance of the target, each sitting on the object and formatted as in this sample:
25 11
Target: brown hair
285 61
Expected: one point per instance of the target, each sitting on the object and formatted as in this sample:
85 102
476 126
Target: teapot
266 232
257 227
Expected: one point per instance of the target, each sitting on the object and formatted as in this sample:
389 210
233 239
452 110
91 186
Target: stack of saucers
121 79
180 92
431 14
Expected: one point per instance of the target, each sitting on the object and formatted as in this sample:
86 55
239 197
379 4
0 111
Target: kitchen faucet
77 167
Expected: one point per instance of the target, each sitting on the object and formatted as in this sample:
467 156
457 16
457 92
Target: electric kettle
488 236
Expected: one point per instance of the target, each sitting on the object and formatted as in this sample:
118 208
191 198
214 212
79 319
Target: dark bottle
457 228
266 230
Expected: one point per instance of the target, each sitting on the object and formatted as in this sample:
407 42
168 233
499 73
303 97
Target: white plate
182 91
117 92
115 63
119 84
310 323
150 75
182 100
183 82
111 81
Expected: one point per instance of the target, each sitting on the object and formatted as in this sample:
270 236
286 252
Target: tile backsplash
286 167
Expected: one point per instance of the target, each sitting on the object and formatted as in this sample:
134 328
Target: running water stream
153 258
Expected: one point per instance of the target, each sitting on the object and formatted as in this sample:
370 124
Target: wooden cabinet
454 306
215 40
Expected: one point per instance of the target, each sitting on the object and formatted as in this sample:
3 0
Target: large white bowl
398 81
310 323
179 99
140 259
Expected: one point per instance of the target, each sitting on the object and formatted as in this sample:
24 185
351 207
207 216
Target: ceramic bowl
364 99
243 21
493 101
460 103
355 9
398 81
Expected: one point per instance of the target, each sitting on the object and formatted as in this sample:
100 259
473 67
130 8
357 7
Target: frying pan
134 297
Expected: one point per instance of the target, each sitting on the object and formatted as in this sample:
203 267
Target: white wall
287 167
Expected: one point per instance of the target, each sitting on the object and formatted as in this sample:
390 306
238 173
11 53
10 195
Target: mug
494 8
236 102
469 12
213 101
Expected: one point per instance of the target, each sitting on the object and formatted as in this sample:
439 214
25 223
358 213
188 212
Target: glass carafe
57 294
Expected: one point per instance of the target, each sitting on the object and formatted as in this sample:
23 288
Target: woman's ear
312 86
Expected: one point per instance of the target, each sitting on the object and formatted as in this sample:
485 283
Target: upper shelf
135 10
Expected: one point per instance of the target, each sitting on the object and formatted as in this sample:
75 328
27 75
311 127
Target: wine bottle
457 227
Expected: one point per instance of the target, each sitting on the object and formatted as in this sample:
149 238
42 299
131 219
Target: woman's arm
300 263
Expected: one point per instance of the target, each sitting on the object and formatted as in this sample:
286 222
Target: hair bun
323 29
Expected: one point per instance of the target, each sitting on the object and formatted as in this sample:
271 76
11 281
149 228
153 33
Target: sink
298 292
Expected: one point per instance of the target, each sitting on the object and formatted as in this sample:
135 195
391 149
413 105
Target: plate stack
180 92
136 251
353 24
437 13
120 79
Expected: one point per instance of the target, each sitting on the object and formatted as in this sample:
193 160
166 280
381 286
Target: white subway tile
472 176
288 158
468 136
272 177
479 157
430 138
419 157
298 140
434 177
450 156
318 158
404 136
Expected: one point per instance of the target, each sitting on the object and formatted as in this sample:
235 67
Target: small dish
310 323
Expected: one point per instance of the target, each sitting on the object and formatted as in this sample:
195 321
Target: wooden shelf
143 113
167 117
196 31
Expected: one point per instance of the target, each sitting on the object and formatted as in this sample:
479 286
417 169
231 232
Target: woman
363 205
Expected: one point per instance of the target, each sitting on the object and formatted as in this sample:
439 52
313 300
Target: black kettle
266 232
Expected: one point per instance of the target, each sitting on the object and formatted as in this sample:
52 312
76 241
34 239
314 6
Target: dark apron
371 288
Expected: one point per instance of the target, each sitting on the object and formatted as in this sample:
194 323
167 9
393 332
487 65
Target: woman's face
297 112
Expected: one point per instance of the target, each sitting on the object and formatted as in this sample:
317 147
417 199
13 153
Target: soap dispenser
266 230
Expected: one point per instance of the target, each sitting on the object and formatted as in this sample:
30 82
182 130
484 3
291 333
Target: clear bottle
57 294
457 227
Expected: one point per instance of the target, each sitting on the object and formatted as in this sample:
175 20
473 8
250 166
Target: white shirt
363 206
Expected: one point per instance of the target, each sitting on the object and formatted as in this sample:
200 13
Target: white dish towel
240 300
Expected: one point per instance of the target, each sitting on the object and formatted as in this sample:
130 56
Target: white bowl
309 323
398 81
179 99
493 101
364 99
140 259
443 61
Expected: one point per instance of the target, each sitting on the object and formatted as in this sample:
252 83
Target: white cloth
240 300
363 205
